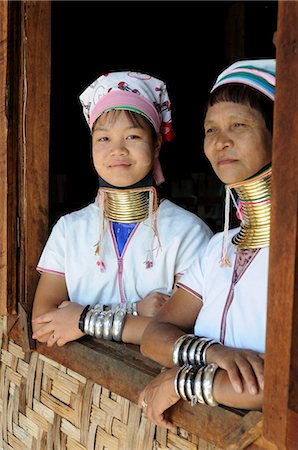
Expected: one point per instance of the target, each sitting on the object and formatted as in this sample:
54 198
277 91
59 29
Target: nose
119 149
223 140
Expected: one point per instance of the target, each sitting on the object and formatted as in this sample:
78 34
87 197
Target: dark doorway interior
184 43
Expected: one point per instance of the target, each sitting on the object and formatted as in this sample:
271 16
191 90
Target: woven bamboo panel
45 406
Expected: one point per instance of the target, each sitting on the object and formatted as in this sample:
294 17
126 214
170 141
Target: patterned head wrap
258 74
132 91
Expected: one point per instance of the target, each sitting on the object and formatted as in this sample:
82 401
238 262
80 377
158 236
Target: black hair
239 93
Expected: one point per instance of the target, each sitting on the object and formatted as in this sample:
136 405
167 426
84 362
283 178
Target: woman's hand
151 304
59 325
242 366
158 396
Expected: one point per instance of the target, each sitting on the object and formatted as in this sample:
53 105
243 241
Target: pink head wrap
133 91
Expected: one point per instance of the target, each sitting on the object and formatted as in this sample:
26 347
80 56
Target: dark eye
133 137
209 131
239 124
103 139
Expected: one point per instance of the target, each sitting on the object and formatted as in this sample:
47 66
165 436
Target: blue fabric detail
122 232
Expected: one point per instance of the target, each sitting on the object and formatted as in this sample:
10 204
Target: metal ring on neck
127 206
255 199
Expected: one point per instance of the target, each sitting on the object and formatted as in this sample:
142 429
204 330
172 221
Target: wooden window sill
122 369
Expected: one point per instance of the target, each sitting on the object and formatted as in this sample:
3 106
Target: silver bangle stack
191 349
104 324
128 308
195 384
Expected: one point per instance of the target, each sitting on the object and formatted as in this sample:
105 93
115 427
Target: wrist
211 353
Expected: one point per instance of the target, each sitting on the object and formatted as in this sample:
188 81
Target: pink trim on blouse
42 269
188 289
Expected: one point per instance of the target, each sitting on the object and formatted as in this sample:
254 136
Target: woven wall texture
45 406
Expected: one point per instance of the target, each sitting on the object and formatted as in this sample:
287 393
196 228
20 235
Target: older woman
222 298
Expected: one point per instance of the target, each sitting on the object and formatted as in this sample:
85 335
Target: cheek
262 154
147 157
207 151
97 158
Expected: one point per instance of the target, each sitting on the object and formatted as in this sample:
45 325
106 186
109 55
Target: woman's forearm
224 393
158 341
133 329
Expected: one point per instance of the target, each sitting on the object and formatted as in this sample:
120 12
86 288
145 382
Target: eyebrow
239 116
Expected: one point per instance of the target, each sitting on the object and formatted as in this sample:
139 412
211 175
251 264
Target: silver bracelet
87 320
177 345
98 330
198 386
128 308
198 353
176 381
189 385
107 325
182 379
99 307
131 308
185 349
118 324
92 322
207 384
192 351
134 309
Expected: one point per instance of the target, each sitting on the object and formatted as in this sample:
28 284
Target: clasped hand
243 367
151 304
59 325
158 396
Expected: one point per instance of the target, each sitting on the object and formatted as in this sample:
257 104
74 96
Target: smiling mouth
119 164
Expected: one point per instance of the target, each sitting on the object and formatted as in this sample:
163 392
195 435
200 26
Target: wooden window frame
24 119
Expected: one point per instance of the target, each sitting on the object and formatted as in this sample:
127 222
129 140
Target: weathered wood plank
283 298
35 123
3 156
292 430
8 154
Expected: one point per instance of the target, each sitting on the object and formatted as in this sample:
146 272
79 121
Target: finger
168 424
64 304
140 405
235 378
249 376
52 340
43 338
60 342
42 331
257 364
141 399
42 319
160 420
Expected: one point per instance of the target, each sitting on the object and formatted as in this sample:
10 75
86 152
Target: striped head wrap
258 74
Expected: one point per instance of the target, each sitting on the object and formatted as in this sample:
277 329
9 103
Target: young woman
222 298
108 268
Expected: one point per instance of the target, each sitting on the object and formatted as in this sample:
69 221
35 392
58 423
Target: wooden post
281 365
9 65
34 133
